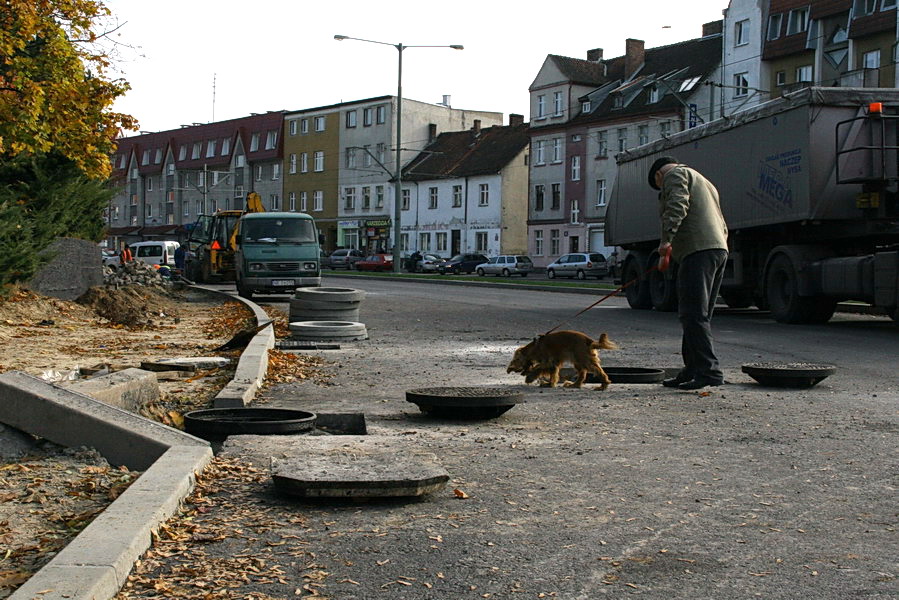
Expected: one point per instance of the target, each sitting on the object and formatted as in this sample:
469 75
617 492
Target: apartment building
587 111
745 78
467 192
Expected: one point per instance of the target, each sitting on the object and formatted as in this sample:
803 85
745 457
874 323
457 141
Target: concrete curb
96 564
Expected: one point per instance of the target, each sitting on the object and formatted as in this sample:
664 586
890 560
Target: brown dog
545 355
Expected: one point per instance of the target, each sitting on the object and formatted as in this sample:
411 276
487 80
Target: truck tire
243 291
662 289
784 301
737 298
637 293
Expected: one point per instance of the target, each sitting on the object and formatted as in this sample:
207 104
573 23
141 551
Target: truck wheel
243 291
637 293
737 298
662 290
784 301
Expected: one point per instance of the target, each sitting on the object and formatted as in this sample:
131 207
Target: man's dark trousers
698 280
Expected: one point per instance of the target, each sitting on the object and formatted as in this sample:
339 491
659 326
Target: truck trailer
809 187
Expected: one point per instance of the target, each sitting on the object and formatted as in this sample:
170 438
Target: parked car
429 263
375 262
156 252
462 263
345 258
506 265
578 264
111 258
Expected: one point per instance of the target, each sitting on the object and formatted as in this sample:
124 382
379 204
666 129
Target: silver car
580 265
506 265
345 258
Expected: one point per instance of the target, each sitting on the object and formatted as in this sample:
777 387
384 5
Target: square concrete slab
345 466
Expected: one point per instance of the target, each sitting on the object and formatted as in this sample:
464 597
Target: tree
54 92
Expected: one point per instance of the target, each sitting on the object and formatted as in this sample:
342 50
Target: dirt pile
131 306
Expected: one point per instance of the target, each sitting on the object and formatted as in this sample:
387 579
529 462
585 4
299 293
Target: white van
160 252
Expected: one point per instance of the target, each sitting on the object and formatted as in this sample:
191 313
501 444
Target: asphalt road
740 492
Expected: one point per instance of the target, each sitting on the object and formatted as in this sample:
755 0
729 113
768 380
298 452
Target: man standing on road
693 234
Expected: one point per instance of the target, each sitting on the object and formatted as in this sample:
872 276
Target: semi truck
809 187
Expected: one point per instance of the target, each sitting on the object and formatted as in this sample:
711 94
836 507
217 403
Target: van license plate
282 282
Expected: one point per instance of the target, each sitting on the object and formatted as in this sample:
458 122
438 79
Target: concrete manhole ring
465 402
218 423
792 375
339 327
330 294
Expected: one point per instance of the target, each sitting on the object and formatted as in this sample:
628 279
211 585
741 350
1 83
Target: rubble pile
136 273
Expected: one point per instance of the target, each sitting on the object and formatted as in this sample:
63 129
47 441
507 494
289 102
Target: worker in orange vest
126 255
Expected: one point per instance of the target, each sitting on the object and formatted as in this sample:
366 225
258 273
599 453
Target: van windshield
269 231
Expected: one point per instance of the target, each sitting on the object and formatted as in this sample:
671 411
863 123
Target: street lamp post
398 175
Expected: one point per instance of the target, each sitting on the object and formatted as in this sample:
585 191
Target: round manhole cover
795 374
218 423
465 402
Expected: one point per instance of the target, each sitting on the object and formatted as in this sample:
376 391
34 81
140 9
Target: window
366 197
541 107
865 7
871 60
318 200
406 196
665 128
149 184
182 152
366 156
484 194
643 134
741 85
276 171
318 159
404 241
350 118
145 158
303 202
226 146
653 95
557 104
557 150
274 201
259 173
539 151
381 114
575 212
158 156
888 4
239 161
381 149
319 123
367 114
480 241
254 142
304 125
741 32
292 168
424 242
797 21
379 196
600 192
186 208
195 151
441 242
271 140
538 242
350 158
292 201
304 162
539 192
170 169
804 73
210 148
201 178
780 78
575 168
292 127
432 197
553 241
586 106
602 144
349 198
457 196
556 196
622 139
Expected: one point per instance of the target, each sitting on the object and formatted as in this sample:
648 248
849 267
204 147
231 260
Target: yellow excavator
212 243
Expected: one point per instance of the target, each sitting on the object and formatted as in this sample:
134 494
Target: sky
198 61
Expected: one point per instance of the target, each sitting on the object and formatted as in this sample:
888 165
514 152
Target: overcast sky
281 54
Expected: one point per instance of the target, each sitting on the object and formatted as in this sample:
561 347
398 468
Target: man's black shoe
673 382
698 384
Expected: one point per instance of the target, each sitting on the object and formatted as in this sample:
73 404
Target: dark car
375 262
345 258
462 263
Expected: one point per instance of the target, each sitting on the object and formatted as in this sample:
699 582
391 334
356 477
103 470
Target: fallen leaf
460 494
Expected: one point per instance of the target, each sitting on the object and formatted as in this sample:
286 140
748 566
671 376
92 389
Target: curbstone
129 389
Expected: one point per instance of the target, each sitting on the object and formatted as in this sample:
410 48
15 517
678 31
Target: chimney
476 128
594 55
715 27
634 55
446 100
515 119
432 132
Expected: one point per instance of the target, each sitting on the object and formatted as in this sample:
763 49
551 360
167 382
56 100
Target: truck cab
277 252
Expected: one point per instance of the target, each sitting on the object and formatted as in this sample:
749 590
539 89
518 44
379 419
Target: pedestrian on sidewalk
694 235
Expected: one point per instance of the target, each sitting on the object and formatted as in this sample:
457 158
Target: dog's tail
604 343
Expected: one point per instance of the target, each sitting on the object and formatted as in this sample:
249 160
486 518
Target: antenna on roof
213 97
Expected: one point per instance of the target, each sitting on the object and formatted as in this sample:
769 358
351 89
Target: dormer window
798 21
585 106
653 95
617 101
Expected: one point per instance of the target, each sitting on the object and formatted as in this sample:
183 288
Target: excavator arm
253 205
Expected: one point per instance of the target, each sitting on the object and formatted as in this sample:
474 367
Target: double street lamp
398 176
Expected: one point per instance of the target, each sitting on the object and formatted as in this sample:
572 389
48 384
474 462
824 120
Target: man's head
656 169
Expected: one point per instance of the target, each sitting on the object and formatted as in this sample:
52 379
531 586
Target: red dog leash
661 266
